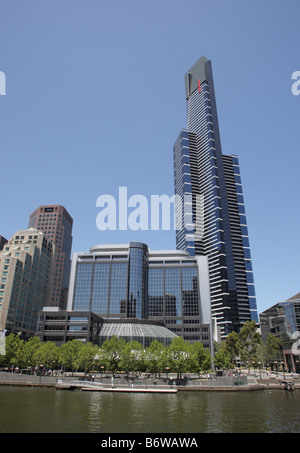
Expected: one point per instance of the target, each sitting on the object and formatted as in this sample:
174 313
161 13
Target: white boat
128 389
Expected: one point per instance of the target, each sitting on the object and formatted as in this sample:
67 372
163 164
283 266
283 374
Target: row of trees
117 355
114 355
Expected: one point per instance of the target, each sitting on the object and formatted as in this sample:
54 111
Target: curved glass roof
145 333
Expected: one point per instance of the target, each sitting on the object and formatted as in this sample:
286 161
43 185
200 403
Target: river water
45 410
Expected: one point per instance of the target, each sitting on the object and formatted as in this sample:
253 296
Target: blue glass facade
83 289
101 287
137 280
133 285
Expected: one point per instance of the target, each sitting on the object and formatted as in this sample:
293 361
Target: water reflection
49 410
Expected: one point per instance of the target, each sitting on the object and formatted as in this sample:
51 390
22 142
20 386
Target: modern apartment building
131 282
215 225
25 270
283 321
56 223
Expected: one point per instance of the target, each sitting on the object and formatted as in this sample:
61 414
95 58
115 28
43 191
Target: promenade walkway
193 383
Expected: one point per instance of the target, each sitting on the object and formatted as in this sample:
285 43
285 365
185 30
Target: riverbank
205 383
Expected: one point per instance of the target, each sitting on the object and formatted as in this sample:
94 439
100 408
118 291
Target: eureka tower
202 172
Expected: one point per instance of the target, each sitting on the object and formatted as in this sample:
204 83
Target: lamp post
41 366
283 367
167 370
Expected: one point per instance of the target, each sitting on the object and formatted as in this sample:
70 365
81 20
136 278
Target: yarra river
47 410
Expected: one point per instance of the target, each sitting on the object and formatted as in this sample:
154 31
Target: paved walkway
244 382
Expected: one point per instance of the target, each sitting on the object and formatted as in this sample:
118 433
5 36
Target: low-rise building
61 326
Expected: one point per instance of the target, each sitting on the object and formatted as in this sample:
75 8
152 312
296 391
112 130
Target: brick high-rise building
56 223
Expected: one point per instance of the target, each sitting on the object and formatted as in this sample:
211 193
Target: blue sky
95 100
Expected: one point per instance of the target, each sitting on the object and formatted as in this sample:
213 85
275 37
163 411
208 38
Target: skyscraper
56 223
219 230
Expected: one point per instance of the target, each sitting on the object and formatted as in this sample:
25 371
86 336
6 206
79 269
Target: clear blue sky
95 100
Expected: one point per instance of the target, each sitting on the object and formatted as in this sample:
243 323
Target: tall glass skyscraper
217 228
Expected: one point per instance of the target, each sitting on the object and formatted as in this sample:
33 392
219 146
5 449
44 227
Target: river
46 410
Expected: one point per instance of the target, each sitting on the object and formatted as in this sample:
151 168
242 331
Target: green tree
132 356
155 357
113 350
86 357
12 344
68 353
47 354
101 361
30 349
273 345
222 358
231 346
249 342
179 356
19 354
201 356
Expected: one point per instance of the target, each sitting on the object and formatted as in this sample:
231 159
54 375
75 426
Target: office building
215 224
2 242
131 282
61 326
56 223
25 271
283 321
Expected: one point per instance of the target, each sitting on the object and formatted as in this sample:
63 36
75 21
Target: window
100 288
82 292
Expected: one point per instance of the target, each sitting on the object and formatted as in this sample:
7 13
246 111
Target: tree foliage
249 342
248 347
117 355
114 355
